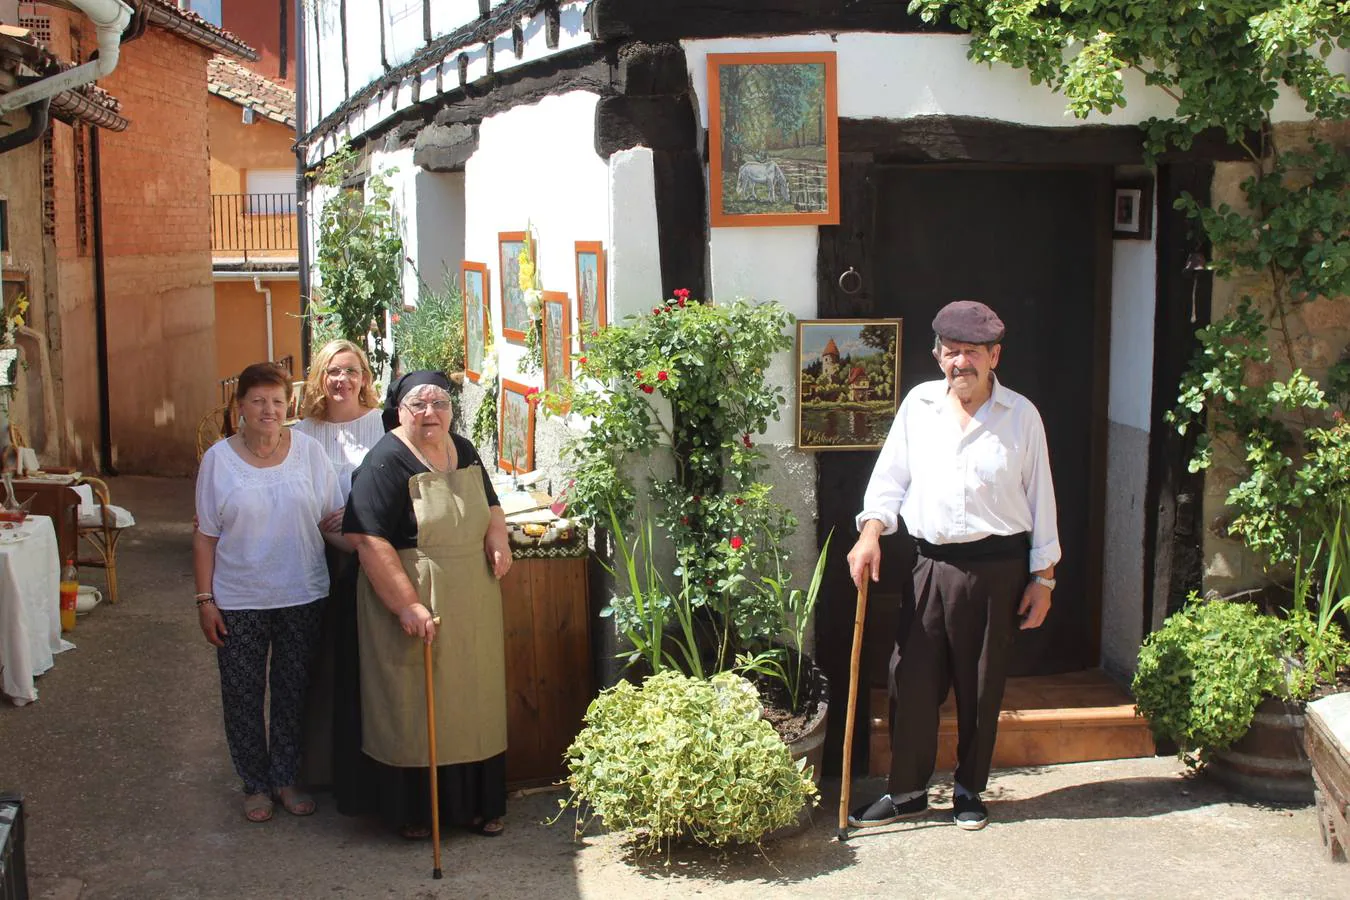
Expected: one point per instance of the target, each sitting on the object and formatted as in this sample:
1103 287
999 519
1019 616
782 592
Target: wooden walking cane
846 788
431 758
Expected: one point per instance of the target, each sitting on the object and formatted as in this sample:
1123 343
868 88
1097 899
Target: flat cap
968 321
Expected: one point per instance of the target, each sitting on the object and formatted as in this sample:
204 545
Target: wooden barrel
1269 762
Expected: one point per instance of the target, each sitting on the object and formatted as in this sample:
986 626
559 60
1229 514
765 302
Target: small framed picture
848 382
592 314
557 340
515 440
515 311
1132 211
474 280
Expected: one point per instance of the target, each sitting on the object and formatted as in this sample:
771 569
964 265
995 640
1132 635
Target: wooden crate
549 679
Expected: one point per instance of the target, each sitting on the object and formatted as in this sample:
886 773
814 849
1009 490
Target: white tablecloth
30 609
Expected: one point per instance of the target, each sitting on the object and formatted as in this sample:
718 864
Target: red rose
656 310
709 582
662 376
681 301
737 542
581 360
746 438
394 318
682 294
684 520
740 501
698 497
638 374
647 389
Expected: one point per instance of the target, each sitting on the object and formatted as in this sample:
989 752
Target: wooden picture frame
474 283
556 315
516 415
847 397
781 165
592 308
515 312
1132 210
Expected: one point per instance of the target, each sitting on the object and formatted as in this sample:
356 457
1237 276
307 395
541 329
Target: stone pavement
131 795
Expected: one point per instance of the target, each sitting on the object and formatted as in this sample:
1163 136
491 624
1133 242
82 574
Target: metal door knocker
850 285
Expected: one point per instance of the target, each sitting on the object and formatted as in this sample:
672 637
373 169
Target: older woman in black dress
432 541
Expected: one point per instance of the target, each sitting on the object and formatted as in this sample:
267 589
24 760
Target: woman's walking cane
431 761
846 788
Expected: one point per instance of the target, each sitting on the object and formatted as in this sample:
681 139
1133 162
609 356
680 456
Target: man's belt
996 546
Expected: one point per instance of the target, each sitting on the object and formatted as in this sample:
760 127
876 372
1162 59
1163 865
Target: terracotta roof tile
170 6
231 81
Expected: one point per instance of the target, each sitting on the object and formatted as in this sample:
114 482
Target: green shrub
431 334
685 758
1202 675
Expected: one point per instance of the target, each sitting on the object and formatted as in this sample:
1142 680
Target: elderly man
966 467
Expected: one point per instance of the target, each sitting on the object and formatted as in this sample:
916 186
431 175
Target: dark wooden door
1034 245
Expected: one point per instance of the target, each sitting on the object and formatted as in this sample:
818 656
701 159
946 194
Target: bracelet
203 599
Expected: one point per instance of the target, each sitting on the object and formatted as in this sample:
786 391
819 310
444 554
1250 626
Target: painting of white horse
767 174
773 142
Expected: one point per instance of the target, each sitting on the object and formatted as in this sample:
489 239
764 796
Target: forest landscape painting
848 379
773 139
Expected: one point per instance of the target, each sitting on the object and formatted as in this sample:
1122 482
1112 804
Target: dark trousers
958 634
266 756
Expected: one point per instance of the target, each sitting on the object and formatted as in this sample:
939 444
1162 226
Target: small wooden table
60 503
547 621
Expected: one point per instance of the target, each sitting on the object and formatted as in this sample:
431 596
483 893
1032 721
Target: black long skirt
467 792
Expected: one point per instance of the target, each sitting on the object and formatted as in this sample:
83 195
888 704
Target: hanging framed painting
515 438
515 311
592 312
474 280
557 340
848 382
773 138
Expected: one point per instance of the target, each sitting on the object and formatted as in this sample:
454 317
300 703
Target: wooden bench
1327 738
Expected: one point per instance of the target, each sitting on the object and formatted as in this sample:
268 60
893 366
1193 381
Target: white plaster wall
363 45
448 15
564 199
1133 301
632 251
899 76
440 226
402 30
398 170
328 59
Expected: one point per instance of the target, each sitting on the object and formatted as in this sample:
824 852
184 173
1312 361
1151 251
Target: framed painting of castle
515 435
773 138
474 290
848 382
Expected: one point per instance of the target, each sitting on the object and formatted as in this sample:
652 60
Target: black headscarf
402 387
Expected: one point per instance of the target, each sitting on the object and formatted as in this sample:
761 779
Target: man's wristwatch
1042 580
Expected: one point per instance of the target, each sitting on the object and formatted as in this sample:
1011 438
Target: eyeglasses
417 407
339 371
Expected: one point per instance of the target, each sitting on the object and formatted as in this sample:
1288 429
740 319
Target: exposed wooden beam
668 20
966 139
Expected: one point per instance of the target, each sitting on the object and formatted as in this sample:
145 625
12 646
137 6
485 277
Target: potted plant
682 390
1227 681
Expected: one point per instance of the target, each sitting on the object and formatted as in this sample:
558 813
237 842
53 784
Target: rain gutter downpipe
37 123
110 18
302 188
267 292
105 456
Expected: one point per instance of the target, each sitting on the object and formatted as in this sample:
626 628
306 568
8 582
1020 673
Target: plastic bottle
70 590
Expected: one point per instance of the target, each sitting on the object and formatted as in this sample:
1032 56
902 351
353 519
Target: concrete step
1046 719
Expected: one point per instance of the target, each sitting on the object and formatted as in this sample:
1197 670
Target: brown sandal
295 801
258 808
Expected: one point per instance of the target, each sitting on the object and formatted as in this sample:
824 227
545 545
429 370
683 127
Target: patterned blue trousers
266 761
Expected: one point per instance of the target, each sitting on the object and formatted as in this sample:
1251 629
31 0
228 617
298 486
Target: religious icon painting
515 438
474 289
773 138
1133 210
557 340
515 310
848 382
592 314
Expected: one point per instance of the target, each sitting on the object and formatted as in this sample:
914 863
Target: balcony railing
253 226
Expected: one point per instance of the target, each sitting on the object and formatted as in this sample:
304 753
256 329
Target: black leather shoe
884 811
969 813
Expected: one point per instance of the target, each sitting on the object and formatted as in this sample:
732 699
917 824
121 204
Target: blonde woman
341 412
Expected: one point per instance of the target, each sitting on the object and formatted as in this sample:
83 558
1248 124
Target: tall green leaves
359 258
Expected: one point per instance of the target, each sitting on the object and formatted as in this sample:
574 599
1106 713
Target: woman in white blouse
342 413
258 562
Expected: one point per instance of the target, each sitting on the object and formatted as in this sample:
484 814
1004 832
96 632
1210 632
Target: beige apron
453 579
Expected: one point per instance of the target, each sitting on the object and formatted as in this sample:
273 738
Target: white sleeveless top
345 443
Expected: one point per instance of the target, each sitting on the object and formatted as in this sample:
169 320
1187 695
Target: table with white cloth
30 609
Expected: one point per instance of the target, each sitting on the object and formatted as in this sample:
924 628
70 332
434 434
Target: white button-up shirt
953 486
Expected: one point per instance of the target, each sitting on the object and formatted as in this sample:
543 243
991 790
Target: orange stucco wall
241 326
236 147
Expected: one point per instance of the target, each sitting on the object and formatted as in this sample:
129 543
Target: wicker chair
100 526
211 428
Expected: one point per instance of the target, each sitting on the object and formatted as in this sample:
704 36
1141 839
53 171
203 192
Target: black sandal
484 827
414 832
